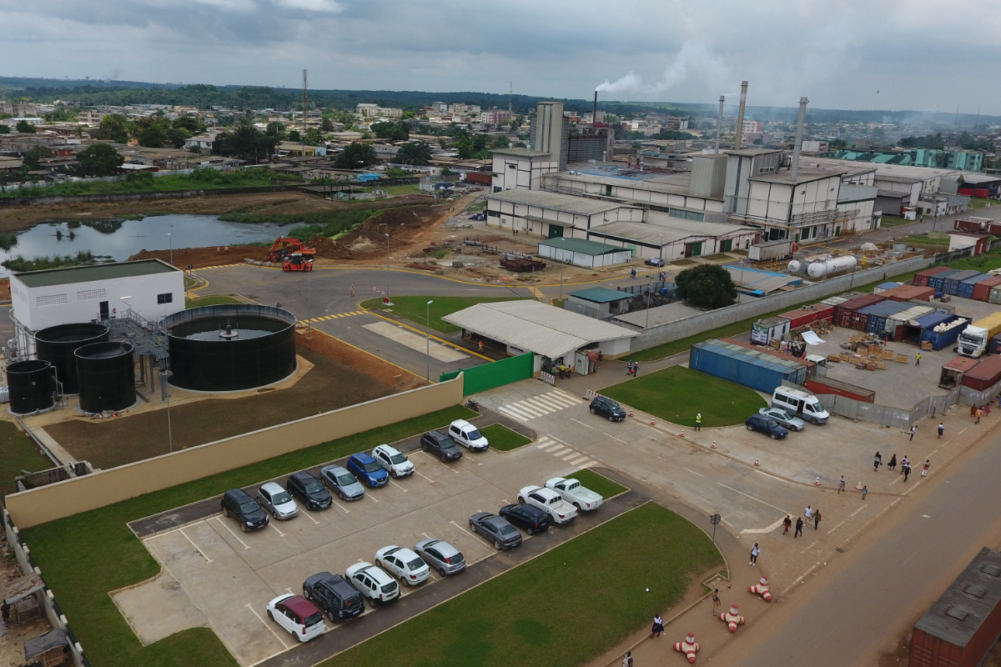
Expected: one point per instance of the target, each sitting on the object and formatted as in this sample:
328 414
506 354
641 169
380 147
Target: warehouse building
550 215
669 238
589 254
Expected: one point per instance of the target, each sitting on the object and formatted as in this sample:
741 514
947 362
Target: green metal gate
494 374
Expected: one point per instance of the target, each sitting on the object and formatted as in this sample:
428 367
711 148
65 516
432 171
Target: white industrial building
669 238
589 254
549 214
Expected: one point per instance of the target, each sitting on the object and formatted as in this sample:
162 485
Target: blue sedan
368 470
765 425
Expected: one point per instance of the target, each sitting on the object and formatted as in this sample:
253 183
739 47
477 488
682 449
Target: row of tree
151 131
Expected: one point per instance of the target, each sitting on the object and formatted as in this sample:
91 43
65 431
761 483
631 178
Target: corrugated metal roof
931 320
554 201
693 227
538 327
601 295
83 274
661 234
582 246
912 314
885 308
958 614
751 356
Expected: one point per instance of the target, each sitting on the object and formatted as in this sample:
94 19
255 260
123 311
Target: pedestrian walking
755 552
941 429
904 463
924 469
917 359
715 601
987 409
636 368
632 273
352 290
865 491
907 471
893 463
877 461
787 522
973 410
980 413
841 485
658 626
816 518
808 513
799 527
481 347
628 660
913 427
698 422
629 367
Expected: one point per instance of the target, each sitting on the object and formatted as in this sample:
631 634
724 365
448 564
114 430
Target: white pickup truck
559 510
581 497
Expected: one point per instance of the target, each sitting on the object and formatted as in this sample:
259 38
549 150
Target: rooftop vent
975 591
992 570
957 613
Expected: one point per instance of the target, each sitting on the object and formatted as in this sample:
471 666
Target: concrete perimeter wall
697 324
106 487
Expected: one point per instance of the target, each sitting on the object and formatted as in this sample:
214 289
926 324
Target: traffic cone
714 444
756 462
682 434
816 481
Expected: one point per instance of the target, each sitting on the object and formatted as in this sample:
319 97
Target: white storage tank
795 267
830 267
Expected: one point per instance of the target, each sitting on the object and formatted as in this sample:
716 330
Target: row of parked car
343 597
791 409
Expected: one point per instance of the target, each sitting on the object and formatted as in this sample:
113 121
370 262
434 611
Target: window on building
165 298
494 214
697 216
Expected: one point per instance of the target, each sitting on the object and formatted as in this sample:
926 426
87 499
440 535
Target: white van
466 434
804 405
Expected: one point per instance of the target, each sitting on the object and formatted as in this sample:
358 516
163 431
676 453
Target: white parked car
468 436
373 583
581 497
278 501
394 462
298 615
560 511
404 563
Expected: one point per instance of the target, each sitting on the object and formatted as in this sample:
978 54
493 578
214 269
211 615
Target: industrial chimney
739 137
719 122
594 115
794 171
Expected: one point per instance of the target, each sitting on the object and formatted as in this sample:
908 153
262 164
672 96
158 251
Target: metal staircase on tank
148 337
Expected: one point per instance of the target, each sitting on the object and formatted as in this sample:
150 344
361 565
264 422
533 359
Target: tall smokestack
794 171
594 116
739 137
719 122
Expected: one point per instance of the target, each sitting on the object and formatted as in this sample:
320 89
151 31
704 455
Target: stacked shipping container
968 286
950 284
798 318
909 293
941 329
984 375
872 319
847 315
921 278
937 281
751 368
982 291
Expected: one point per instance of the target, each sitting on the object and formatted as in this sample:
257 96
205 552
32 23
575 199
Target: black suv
238 503
334 595
308 489
606 407
438 443
533 519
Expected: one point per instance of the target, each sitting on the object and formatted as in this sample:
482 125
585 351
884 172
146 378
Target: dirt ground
361 361
328 386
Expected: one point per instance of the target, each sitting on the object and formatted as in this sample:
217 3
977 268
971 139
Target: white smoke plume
693 57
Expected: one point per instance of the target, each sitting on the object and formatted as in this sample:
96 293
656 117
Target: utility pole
305 106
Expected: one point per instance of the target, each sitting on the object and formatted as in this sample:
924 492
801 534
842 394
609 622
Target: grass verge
414 308
18 452
200 179
894 221
561 608
210 301
926 241
322 223
676 394
85 556
503 438
600 484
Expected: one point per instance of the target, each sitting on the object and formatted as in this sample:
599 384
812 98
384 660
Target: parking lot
216 575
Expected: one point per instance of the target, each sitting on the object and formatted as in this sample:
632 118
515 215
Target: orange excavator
285 246
297 262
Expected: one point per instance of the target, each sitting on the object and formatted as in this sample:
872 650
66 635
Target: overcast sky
859 54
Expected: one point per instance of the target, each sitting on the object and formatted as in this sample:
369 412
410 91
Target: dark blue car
766 425
368 470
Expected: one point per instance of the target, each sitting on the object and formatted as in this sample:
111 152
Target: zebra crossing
564 452
333 317
537 406
219 266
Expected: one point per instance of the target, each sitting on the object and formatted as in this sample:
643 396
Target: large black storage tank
231 347
31 386
107 376
57 345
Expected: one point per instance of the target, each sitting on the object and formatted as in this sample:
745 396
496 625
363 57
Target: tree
99 160
151 135
189 123
276 130
327 125
500 141
4 129
294 136
414 153
706 286
113 127
25 127
32 159
356 156
177 137
391 131
314 137
245 142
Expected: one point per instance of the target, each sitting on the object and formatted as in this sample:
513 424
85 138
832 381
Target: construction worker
917 360
481 347
698 422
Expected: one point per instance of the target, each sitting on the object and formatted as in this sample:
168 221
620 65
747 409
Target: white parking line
274 524
221 523
454 471
372 496
464 530
425 477
343 509
693 472
581 423
310 517
397 486
761 531
752 497
858 510
174 530
808 548
835 528
207 559
268 626
614 438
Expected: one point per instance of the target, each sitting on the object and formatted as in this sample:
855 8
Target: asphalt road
888 580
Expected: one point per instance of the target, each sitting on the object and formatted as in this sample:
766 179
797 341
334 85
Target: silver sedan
783 418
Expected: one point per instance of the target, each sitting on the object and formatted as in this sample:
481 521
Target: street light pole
170 242
387 268
647 326
563 258
429 341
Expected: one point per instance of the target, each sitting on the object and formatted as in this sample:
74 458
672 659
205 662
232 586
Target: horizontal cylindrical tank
31 386
107 377
57 345
795 267
231 347
830 267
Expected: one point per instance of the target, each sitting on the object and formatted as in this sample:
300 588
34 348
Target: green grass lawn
201 179
84 556
980 202
677 394
600 484
503 438
894 221
210 301
400 190
414 308
563 608
18 452
921 240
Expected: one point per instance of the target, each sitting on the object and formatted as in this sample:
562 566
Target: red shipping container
982 290
843 313
830 386
921 277
910 293
984 375
798 318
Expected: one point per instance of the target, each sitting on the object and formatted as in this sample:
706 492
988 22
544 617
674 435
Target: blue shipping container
945 338
938 280
951 284
966 287
757 370
877 314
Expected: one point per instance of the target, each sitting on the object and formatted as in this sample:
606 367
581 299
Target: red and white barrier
590 395
761 588
732 618
689 647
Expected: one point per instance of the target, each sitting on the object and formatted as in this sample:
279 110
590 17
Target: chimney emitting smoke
594 115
